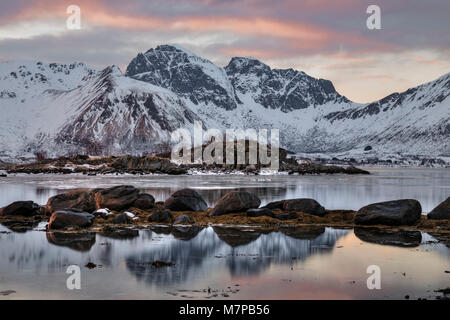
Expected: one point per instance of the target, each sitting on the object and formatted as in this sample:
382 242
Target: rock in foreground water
306 205
186 200
390 213
21 208
70 218
442 211
81 199
144 201
116 198
236 201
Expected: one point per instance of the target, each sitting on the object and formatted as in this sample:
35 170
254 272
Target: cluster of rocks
121 205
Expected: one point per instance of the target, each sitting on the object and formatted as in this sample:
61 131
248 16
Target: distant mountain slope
61 109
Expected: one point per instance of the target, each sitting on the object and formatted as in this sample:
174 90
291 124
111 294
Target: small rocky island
121 211
162 164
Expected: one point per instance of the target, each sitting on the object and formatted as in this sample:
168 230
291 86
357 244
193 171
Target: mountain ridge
168 87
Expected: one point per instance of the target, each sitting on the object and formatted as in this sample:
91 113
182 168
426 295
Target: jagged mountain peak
192 77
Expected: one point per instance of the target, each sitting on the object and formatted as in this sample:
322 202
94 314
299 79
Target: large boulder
186 200
81 199
306 205
235 201
21 208
144 201
116 198
442 211
391 213
70 218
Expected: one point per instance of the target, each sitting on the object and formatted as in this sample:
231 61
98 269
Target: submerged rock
391 213
21 208
442 211
70 218
81 199
235 201
399 238
186 200
116 198
162 216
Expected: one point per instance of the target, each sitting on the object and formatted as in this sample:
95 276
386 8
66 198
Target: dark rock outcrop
70 218
235 201
21 208
442 211
186 200
116 198
391 213
81 199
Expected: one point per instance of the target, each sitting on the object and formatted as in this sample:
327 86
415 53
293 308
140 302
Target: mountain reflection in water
294 263
244 252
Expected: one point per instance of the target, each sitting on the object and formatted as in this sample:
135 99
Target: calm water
429 186
317 263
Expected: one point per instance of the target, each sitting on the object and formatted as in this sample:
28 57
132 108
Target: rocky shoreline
120 212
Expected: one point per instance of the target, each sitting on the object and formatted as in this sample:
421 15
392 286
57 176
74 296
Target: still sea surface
224 263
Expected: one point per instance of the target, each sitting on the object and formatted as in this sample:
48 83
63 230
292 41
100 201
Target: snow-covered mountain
73 108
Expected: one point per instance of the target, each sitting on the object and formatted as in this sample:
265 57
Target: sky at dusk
326 39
